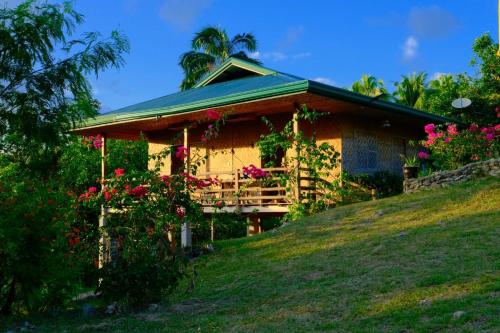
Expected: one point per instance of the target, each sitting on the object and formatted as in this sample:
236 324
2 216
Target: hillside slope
422 262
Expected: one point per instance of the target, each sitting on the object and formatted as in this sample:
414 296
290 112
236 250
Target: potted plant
410 167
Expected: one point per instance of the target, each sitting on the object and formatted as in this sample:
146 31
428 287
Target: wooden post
187 161
186 235
296 130
103 255
237 188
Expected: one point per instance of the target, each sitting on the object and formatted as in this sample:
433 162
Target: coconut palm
369 85
210 47
411 90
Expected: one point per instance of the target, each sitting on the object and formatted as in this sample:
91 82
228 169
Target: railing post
296 130
237 188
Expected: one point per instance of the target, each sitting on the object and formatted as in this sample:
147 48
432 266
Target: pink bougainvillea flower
473 128
484 130
119 172
107 196
452 130
139 191
213 115
447 140
92 189
182 152
253 172
180 212
429 128
497 128
97 142
490 136
423 155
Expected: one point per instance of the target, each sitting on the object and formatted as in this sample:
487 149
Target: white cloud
279 56
182 14
325 80
410 48
432 21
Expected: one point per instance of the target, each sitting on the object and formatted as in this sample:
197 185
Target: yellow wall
357 140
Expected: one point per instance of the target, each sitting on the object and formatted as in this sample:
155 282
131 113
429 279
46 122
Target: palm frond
244 41
213 41
243 56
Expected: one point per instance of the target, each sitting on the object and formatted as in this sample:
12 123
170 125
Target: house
369 133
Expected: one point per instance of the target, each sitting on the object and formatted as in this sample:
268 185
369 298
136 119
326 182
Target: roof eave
349 96
254 95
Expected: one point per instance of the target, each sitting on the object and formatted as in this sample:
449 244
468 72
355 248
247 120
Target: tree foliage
44 91
43 84
411 90
210 47
369 85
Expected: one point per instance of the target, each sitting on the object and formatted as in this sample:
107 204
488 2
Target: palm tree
411 90
210 47
369 85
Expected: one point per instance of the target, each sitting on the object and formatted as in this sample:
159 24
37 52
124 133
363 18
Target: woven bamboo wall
368 147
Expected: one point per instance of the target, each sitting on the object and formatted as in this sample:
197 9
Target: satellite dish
461 103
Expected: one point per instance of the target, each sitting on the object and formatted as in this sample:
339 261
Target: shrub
386 183
142 258
447 147
39 269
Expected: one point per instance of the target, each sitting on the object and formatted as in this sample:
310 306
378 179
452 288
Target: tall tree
369 85
210 47
411 90
43 92
43 84
483 89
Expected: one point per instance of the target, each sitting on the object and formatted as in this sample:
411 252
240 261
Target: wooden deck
238 192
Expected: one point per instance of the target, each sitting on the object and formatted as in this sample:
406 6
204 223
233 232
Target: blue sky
332 41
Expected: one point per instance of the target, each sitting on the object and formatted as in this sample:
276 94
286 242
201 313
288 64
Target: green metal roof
267 84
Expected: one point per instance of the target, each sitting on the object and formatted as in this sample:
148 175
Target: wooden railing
235 189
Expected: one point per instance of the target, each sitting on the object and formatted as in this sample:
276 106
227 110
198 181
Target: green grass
402 264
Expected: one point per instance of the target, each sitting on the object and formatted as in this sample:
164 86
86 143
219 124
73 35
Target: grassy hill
422 262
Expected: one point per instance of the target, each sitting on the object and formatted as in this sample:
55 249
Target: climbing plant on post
306 159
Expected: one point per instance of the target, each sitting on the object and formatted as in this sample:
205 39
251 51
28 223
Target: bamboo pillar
186 236
102 218
296 130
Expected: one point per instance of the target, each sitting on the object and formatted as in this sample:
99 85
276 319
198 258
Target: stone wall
443 178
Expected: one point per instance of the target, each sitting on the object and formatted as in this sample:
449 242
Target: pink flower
452 130
490 136
92 189
447 140
119 172
219 204
429 128
484 130
213 115
98 142
182 152
497 128
180 212
423 155
139 191
107 196
473 128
